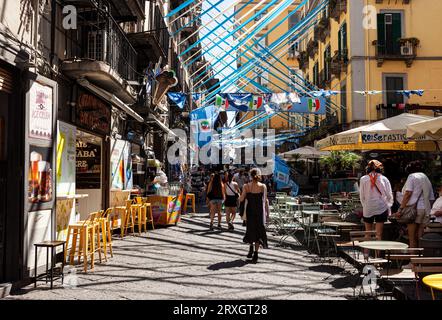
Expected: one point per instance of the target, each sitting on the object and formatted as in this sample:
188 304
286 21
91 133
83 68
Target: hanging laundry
408 93
279 98
293 97
371 92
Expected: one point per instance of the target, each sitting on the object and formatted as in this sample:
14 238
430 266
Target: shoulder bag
409 213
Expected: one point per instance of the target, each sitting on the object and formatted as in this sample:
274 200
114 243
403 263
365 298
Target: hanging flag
178 98
314 105
239 101
371 92
202 120
256 103
204 125
293 97
221 102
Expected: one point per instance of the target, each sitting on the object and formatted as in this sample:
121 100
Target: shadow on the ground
227 265
327 269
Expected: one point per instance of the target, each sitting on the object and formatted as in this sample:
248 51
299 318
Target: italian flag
204 125
221 103
314 105
256 102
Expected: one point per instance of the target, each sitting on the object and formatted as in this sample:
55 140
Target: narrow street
188 261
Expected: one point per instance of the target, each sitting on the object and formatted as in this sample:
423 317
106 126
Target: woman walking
231 189
216 196
257 212
376 198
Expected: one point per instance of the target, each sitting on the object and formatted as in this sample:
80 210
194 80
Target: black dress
255 231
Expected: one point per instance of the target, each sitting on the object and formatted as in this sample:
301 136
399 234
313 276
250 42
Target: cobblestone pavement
188 261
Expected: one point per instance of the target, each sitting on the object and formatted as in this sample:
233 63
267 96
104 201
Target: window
342 40
394 101
343 102
259 17
263 76
389 32
327 61
293 49
316 74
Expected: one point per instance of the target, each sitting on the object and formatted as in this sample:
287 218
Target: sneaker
231 227
219 227
211 227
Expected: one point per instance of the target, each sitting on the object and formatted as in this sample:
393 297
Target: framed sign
40 113
40 178
91 113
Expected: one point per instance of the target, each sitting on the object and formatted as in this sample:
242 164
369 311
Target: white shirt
232 185
399 197
437 206
421 187
373 203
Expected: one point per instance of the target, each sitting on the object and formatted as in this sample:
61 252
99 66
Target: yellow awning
422 146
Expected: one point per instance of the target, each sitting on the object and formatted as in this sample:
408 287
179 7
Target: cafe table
434 281
381 245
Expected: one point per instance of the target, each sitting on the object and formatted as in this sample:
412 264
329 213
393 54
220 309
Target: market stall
166 210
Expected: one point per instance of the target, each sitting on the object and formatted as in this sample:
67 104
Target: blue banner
178 98
202 123
281 176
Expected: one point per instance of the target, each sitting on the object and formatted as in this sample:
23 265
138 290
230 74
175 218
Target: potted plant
339 163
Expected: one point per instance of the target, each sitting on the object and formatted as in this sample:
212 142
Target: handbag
235 193
409 213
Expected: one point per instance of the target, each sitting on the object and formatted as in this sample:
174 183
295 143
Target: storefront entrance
89 172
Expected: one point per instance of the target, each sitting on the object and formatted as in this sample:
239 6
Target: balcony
322 29
336 7
405 50
154 42
324 78
312 48
104 56
303 60
339 62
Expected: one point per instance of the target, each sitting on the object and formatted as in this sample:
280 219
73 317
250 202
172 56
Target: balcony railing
303 60
336 7
102 39
322 29
324 78
339 62
405 50
312 48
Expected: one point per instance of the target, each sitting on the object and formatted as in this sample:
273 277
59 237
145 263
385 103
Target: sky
211 20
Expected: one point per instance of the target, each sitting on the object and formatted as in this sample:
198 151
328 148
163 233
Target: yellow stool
106 231
128 219
137 215
146 215
89 232
189 196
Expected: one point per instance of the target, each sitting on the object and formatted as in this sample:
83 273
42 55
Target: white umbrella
305 153
431 128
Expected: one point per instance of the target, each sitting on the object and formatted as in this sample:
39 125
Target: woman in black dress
257 212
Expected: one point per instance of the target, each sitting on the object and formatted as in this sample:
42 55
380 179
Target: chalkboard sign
92 113
88 165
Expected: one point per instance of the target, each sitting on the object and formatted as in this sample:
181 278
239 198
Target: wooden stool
137 213
189 196
149 215
106 231
89 232
129 221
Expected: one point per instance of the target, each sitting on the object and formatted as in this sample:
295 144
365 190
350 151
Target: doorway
89 172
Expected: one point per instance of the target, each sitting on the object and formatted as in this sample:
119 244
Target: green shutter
381 33
396 33
340 41
344 36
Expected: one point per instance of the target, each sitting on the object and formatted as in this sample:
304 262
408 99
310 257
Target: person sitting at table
376 197
437 206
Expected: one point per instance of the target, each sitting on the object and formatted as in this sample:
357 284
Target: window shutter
5 81
344 36
340 41
396 33
381 33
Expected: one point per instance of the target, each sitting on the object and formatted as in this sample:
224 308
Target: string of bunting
255 102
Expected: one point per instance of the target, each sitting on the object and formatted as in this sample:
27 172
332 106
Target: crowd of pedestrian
410 202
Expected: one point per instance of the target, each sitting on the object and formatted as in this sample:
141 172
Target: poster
40 183
121 165
40 113
66 159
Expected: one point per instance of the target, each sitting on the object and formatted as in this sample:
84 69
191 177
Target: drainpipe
53 21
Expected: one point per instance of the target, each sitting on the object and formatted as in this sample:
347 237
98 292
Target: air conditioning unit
407 50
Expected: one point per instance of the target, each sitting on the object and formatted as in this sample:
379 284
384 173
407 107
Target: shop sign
40 113
92 114
379 137
66 159
121 165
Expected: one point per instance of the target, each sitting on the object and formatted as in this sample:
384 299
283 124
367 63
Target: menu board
121 165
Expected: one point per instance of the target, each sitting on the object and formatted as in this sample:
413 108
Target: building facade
83 115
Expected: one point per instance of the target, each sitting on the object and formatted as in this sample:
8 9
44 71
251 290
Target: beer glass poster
40 177
40 119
